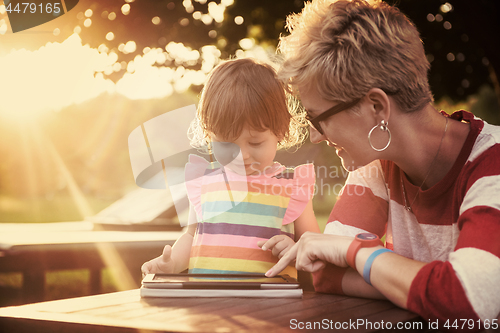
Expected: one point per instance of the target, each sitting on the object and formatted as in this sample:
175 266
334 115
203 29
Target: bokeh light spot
239 20
207 19
240 53
126 9
188 6
222 43
216 11
156 20
130 47
103 48
197 15
246 43
446 7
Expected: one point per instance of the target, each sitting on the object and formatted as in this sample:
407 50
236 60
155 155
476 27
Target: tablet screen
181 278
221 281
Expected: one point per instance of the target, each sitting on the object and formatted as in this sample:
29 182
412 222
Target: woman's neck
427 145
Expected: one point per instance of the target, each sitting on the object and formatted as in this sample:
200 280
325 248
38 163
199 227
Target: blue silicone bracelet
368 264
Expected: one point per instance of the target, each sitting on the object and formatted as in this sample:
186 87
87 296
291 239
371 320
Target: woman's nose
315 136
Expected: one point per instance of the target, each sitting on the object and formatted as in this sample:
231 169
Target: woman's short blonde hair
344 48
242 92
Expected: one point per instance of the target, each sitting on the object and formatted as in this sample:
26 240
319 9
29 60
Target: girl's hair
346 47
243 92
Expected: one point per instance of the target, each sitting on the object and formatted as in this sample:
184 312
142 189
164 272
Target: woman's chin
349 164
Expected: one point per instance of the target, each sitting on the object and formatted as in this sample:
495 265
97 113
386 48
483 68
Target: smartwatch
361 240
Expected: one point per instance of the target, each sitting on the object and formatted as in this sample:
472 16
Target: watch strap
369 262
356 245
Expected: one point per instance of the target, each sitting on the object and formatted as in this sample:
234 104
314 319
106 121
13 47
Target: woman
427 181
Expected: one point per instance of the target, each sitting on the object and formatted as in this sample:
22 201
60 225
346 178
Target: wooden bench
33 249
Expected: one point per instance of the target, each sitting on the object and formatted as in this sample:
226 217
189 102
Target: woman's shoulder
487 139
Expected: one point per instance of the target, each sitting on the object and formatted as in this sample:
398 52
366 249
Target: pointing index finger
283 262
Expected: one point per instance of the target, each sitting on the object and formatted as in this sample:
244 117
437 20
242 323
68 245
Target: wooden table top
127 312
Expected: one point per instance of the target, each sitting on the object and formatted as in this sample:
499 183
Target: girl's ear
379 104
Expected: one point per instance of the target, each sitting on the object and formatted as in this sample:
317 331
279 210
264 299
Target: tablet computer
218 281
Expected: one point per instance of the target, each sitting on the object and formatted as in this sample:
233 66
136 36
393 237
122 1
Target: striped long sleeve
454 226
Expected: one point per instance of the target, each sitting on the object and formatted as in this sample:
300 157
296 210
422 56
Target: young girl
244 198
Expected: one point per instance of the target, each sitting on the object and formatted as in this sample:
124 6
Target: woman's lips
333 145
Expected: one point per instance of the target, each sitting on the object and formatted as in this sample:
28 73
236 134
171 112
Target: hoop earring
383 127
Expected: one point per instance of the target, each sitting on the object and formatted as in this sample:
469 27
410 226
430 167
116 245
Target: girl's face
256 152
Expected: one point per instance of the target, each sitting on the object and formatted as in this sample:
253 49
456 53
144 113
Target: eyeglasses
314 121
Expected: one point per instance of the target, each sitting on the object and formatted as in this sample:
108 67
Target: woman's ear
379 104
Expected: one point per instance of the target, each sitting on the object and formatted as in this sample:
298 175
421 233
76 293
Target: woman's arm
391 274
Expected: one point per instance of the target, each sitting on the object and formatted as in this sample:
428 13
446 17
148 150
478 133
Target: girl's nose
245 154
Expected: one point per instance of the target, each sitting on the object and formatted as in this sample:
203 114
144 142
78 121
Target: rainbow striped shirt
235 211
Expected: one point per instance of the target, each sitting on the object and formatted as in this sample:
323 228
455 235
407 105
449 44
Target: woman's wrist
363 255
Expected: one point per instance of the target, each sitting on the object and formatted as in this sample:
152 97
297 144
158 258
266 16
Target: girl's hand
161 264
279 245
312 251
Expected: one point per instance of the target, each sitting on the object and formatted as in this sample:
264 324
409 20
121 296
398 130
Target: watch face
367 236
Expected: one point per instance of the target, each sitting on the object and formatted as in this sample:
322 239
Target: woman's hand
161 264
312 251
279 245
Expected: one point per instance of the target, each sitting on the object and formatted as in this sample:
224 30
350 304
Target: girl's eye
255 144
